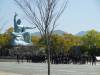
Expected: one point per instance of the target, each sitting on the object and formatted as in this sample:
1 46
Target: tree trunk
48 55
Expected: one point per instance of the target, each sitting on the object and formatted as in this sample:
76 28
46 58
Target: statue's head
18 21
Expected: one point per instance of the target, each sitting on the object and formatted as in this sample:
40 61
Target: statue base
18 40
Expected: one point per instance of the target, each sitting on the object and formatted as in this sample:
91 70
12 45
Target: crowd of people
70 59
58 59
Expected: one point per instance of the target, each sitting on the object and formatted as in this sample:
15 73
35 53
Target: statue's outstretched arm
29 27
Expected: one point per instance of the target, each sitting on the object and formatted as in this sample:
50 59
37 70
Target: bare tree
44 15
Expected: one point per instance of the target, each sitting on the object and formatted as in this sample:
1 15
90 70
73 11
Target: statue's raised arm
15 22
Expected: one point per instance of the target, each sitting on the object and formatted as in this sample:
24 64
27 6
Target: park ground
13 68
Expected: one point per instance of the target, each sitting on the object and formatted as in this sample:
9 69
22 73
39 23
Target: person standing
93 59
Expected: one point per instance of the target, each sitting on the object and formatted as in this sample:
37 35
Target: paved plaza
41 69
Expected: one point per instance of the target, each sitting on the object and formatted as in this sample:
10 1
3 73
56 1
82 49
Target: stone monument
20 35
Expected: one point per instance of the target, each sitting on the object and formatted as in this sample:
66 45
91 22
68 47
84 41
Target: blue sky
80 15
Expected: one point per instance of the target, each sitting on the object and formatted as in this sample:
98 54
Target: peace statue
20 35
